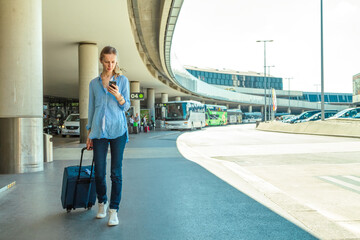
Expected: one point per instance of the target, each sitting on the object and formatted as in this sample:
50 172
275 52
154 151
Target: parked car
286 117
357 116
317 116
302 116
347 113
71 125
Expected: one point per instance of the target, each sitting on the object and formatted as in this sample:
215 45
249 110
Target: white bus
184 115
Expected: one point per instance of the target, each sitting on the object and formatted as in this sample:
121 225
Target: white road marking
357 179
342 183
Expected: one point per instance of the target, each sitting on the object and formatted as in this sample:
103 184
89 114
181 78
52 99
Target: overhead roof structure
141 31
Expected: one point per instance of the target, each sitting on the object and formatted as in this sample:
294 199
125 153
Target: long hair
111 50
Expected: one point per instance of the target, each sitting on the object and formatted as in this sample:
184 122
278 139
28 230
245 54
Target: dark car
317 116
302 116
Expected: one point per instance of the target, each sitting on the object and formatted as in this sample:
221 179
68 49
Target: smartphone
112 83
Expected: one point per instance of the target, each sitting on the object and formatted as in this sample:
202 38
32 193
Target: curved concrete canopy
106 22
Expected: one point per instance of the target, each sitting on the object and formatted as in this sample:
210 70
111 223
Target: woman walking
108 102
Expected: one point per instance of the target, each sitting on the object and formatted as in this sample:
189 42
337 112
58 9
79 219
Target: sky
223 33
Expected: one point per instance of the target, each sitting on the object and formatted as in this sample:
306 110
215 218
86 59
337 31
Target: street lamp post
269 87
322 63
265 41
289 92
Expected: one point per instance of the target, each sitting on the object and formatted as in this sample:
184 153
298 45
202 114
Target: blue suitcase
78 187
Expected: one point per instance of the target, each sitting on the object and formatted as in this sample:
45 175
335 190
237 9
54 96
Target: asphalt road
165 196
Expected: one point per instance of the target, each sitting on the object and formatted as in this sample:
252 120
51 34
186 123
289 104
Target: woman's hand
114 90
89 144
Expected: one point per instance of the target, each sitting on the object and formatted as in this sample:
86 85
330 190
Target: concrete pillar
250 109
135 88
151 102
239 106
21 87
227 106
203 102
88 69
289 110
164 99
177 98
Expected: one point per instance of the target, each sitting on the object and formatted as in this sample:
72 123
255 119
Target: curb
333 128
3 189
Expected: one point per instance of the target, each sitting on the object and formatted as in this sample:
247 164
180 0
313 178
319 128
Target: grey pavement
165 196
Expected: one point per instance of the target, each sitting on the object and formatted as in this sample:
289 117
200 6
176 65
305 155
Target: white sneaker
102 210
113 219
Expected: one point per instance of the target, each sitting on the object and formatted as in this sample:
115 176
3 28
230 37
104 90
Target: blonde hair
111 50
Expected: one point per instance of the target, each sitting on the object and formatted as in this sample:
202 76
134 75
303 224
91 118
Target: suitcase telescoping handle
78 179
81 159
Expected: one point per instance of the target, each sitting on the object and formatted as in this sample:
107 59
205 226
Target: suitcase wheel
68 209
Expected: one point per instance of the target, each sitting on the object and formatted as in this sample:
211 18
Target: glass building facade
328 97
254 80
236 79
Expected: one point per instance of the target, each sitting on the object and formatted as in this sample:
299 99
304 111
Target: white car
71 125
347 113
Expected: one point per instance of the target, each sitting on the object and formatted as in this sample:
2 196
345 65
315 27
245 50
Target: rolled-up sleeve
91 106
125 92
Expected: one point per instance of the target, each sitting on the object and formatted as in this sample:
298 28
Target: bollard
48 148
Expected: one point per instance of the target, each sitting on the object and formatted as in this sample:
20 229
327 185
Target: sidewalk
165 196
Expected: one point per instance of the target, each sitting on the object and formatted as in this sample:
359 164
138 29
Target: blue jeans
117 147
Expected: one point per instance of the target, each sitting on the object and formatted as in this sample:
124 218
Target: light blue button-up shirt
106 117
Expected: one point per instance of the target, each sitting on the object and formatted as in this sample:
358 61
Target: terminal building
235 78
333 98
245 82
56 59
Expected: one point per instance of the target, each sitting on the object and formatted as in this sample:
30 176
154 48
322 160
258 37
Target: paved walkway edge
3 189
